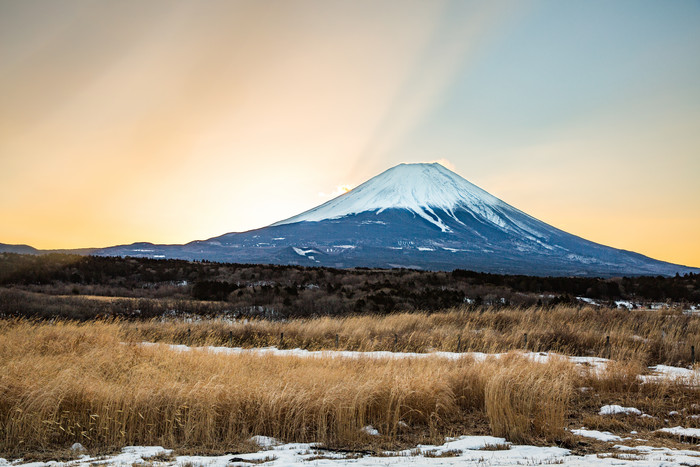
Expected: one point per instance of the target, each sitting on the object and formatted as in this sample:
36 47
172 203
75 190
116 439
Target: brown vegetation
65 382
647 336
274 291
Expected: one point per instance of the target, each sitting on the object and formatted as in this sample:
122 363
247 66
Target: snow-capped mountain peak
418 216
419 188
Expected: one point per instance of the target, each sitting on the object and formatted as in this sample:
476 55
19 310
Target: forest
87 287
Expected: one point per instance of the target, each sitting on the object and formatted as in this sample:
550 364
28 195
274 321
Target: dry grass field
66 382
648 336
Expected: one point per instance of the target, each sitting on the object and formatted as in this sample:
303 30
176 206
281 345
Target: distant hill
30 250
20 249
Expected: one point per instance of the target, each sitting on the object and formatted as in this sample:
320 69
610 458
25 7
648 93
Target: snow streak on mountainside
416 216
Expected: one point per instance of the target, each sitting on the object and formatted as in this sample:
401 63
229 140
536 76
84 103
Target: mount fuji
420 216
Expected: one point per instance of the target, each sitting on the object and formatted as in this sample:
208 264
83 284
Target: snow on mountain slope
418 188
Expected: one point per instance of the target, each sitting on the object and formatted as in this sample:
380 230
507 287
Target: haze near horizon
174 121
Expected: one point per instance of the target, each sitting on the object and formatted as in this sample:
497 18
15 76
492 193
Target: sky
170 121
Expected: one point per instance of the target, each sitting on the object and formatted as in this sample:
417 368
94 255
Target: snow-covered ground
464 450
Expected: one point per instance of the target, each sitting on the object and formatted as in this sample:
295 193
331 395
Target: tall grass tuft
525 400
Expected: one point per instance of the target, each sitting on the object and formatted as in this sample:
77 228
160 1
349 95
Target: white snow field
464 450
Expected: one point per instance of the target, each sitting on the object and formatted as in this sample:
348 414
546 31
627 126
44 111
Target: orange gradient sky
170 121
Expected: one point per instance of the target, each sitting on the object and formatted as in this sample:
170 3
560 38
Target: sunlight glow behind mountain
174 120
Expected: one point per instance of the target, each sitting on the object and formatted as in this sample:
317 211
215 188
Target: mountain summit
420 216
419 188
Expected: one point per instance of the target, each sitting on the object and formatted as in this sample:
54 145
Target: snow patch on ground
684 375
655 456
680 431
541 357
264 441
595 434
130 455
463 450
590 301
597 364
618 409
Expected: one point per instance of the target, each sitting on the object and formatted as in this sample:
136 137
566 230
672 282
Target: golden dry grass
67 382
649 336
523 399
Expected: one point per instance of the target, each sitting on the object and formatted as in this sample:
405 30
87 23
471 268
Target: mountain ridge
420 216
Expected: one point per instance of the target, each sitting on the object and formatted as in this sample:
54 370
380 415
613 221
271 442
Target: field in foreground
62 383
